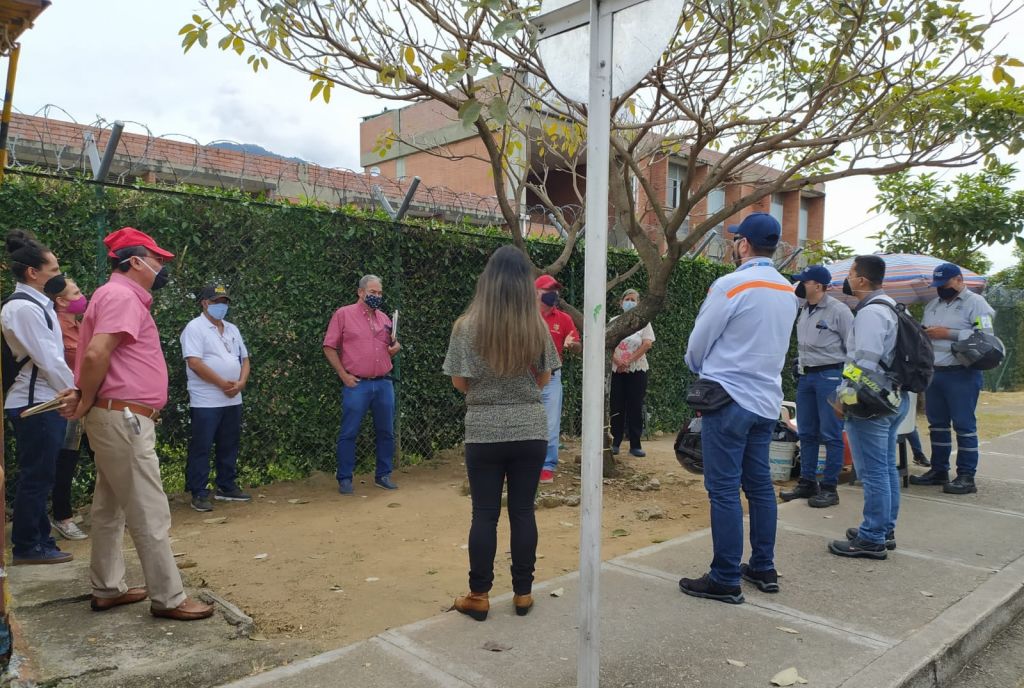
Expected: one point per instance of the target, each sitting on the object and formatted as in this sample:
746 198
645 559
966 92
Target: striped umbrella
908 278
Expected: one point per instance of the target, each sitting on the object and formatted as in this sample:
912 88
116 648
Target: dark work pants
67 462
626 402
220 426
38 439
488 466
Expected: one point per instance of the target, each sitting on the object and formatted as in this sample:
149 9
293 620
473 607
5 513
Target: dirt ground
308 564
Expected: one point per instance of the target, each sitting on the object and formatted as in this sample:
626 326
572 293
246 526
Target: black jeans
38 440
488 465
67 462
626 401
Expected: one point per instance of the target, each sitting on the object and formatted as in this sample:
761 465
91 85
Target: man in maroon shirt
566 337
359 346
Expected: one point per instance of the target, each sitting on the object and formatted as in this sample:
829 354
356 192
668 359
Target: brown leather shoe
473 604
130 596
523 603
189 610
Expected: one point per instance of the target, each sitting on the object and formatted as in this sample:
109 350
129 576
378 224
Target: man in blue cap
738 347
953 394
822 327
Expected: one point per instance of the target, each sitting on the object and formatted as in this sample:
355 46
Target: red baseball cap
129 236
546 282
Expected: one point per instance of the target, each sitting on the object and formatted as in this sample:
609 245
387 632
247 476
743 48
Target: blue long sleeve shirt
742 335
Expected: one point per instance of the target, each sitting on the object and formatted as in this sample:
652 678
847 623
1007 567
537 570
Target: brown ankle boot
473 604
523 603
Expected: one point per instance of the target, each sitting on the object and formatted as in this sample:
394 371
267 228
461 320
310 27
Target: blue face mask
217 311
549 298
627 306
373 301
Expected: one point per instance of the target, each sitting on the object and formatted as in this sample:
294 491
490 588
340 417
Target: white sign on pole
619 41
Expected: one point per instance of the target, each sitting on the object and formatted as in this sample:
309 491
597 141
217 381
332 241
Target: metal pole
594 292
5 121
100 175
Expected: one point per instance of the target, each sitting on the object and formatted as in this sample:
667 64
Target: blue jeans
378 397
952 397
38 441
818 425
551 397
221 426
735 443
873 445
914 440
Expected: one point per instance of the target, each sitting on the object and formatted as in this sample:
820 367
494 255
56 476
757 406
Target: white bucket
780 460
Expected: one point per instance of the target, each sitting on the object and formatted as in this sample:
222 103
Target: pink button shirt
362 336
137 371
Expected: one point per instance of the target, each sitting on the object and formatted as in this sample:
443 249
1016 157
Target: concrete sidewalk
956 579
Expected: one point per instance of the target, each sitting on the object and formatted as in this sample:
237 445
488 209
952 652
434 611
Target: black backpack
914 362
11 365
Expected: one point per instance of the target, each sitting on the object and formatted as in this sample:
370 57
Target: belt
818 369
950 368
118 405
371 379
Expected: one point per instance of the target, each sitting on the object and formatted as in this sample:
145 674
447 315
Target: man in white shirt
217 370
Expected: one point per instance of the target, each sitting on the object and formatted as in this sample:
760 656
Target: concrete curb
935 654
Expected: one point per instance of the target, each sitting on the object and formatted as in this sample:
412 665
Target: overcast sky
122 59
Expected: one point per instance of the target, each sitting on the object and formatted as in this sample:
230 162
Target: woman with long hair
500 356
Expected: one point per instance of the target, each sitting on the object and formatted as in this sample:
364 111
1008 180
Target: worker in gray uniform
822 328
952 396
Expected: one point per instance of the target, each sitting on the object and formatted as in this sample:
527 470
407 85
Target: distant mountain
253 149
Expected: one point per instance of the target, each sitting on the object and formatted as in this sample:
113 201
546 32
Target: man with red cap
122 375
566 337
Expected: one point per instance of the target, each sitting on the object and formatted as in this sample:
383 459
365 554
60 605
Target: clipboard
51 405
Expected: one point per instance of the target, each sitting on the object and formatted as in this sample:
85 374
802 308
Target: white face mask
627 306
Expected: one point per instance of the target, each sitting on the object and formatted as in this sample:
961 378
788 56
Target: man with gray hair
359 345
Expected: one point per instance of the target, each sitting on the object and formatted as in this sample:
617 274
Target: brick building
431 135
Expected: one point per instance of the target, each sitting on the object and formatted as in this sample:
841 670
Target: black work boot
922 460
962 484
858 548
890 537
931 477
827 497
804 489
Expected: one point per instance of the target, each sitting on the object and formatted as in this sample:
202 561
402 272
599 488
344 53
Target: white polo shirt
223 352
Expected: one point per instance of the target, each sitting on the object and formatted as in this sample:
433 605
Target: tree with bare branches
781 94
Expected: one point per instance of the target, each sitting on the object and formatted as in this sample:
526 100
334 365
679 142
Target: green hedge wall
289 268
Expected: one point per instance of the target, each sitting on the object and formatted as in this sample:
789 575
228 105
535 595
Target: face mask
373 301
801 291
77 307
847 289
55 285
946 293
549 298
162 277
217 311
627 306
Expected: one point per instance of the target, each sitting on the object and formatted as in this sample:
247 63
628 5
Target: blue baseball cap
814 273
760 229
945 272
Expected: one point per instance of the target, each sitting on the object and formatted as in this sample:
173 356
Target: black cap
214 291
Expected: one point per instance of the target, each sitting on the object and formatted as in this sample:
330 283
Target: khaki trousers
129 490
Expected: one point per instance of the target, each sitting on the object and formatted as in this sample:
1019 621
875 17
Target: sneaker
962 484
922 460
615 450
68 529
41 556
766 581
931 477
233 495
890 537
858 548
547 477
345 486
803 490
710 590
828 496
384 483
201 503
638 452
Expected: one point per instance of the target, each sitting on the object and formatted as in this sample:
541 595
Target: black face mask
847 289
549 298
161 279
55 285
946 293
801 290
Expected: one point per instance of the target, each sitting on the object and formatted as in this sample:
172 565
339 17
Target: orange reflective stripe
760 284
